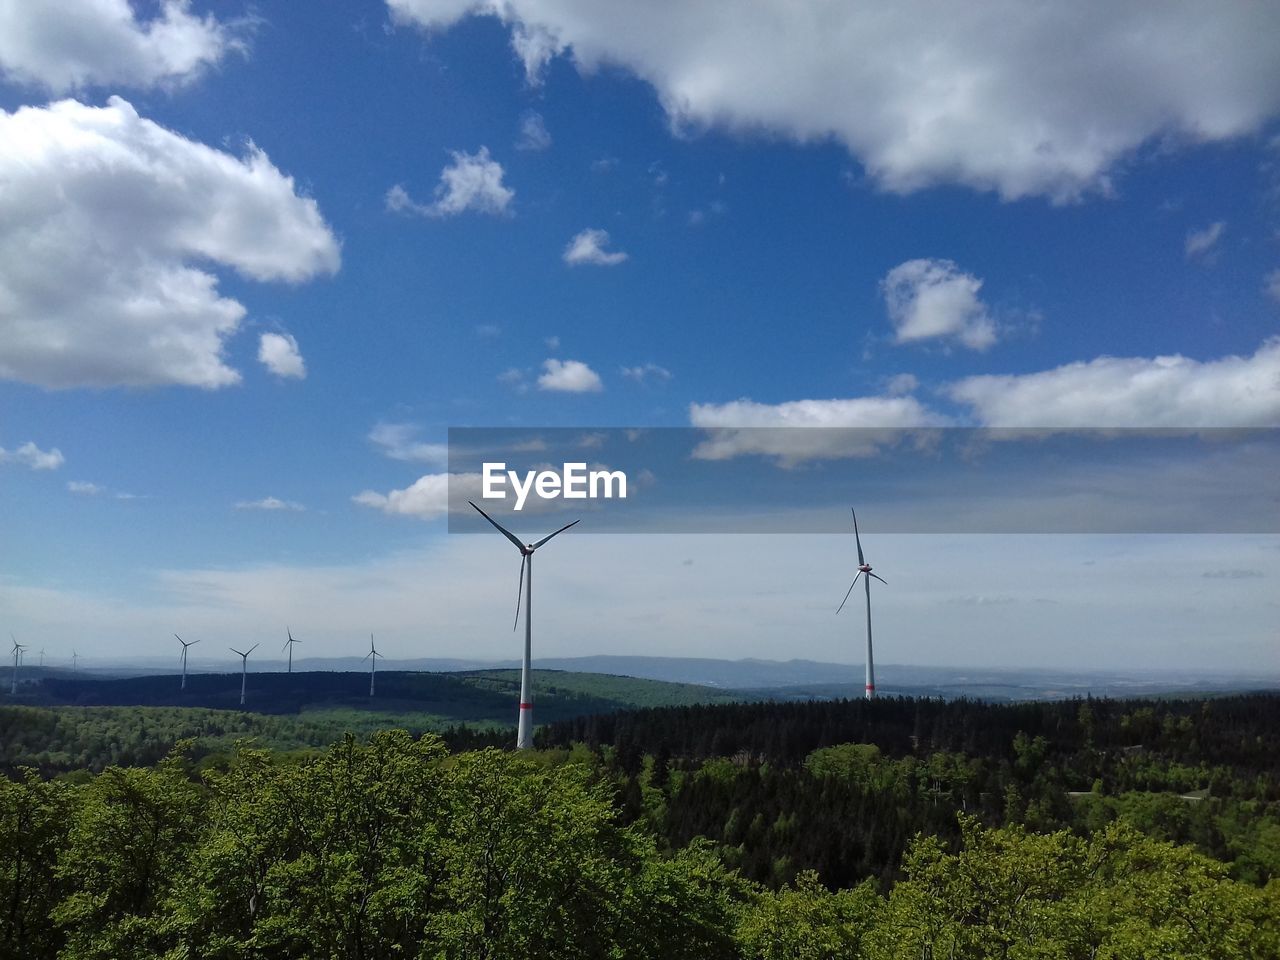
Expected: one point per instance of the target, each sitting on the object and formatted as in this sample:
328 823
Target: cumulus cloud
933 299
426 499
103 42
646 371
278 352
1200 243
1039 99
472 182
569 376
399 441
29 455
112 224
800 430
271 504
588 247
1172 391
533 132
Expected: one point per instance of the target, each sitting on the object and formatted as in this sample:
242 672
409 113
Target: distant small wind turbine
864 568
288 645
524 732
42 657
372 656
244 667
74 657
17 659
185 644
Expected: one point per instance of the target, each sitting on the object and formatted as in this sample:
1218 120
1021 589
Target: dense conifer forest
899 828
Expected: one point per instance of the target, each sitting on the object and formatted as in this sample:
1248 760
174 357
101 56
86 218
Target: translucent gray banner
805 479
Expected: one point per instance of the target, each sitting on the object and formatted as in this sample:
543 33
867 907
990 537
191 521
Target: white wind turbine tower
288 645
17 659
524 732
244 667
372 656
864 570
185 644
42 658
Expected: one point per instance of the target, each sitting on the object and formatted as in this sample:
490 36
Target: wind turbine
864 568
288 645
244 667
524 732
17 659
42 658
185 644
372 656
74 657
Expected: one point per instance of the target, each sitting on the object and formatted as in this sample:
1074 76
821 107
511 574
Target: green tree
807 921
35 817
126 852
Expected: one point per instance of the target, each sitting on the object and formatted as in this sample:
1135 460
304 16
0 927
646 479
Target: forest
899 828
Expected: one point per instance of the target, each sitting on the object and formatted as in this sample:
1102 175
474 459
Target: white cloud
1039 99
426 499
128 209
1172 391
64 46
472 182
933 299
29 455
794 431
1272 285
84 488
1200 243
399 442
569 376
901 384
588 247
278 352
533 132
514 377
271 503
646 371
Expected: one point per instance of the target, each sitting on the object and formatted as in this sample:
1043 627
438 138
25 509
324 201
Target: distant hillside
475 697
789 679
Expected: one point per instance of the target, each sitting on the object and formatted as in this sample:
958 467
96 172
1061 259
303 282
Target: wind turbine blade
253 648
519 592
878 577
193 643
501 529
237 652
557 533
850 590
856 538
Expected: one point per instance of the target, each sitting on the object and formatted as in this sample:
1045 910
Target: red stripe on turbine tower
526 706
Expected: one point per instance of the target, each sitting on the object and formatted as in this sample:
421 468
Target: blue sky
427 215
